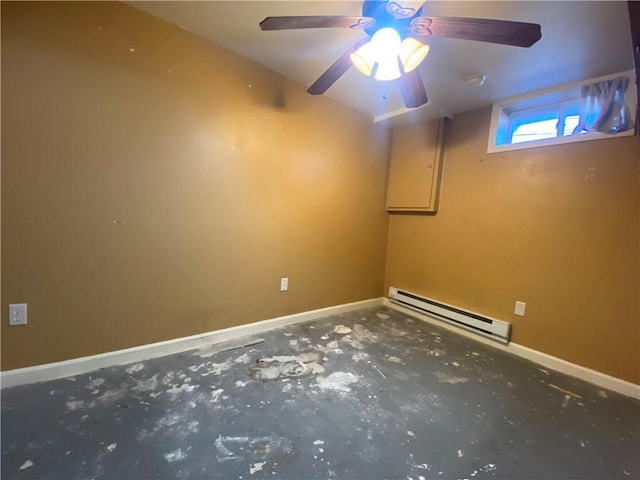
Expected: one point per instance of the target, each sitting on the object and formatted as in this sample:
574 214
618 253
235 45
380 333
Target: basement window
567 114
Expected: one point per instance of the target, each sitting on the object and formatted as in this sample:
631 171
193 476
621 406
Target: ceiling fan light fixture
364 58
412 53
380 54
388 69
386 43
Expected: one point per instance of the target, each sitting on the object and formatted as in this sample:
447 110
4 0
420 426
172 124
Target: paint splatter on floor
368 394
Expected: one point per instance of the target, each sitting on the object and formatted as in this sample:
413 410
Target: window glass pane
535 131
570 122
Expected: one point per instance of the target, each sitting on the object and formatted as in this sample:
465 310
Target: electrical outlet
520 308
17 314
284 284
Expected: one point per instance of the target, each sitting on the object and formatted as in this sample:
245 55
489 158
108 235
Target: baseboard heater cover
480 324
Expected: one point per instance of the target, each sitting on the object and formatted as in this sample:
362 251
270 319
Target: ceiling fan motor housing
378 10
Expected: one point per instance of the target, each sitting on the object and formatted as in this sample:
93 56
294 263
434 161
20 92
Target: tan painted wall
556 227
225 176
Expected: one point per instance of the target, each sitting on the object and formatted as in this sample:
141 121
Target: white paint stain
241 384
382 316
331 347
136 367
567 398
435 352
342 329
353 342
111 447
602 393
288 334
110 396
337 381
215 395
27 464
363 334
315 368
490 467
324 337
182 388
475 354
357 357
209 368
175 455
411 434
95 383
236 448
394 359
244 358
319 442
73 405
268 373
460 454
455 364
303 357
256 467
444 378
321 450
147 385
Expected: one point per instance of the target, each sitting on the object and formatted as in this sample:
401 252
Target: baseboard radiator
480 324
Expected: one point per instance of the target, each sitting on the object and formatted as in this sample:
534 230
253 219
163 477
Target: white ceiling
580 40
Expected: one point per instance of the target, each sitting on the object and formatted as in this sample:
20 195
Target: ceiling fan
394 47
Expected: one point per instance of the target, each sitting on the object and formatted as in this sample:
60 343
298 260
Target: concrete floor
369 395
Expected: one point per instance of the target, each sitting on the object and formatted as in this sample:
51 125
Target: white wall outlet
17 314
520 308
284 284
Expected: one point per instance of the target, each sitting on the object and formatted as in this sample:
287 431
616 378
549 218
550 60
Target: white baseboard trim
78 366
554 363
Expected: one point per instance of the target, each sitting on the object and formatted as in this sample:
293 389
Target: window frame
507 112
560 110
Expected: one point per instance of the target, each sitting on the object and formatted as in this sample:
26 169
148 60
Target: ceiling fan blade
335 71
412 89
504 32
291 23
